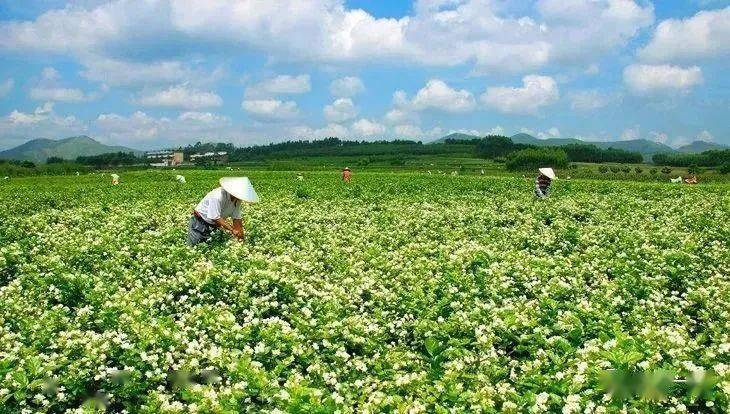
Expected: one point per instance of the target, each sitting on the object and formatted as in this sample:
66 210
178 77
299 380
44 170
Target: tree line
528 156
711 158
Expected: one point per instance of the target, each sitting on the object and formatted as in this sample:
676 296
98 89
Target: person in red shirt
346 173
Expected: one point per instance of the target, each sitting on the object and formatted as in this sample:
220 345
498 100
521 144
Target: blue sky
157 73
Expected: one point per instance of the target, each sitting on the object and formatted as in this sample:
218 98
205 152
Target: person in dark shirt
543 181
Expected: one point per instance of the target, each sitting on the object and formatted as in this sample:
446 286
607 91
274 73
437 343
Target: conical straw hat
241 188
548 172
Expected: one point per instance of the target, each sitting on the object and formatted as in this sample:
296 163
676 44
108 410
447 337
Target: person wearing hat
543 181
218 205
346 173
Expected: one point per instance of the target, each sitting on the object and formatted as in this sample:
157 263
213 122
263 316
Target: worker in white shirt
217 206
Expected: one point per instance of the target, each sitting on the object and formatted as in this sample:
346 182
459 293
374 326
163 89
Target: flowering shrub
401 293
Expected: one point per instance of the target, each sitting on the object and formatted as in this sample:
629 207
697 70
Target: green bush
399 160
653 171
638 170
666 170
302 193
725 169
626 170
55 160
615 169
534 158
693 169
364 161
603 169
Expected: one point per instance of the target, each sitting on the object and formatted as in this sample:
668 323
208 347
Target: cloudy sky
153 73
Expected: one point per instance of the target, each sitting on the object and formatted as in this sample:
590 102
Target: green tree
55 160
534 158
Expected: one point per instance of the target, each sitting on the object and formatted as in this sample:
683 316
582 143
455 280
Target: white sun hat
548 172
241 188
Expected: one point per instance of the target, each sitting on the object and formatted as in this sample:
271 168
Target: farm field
401 292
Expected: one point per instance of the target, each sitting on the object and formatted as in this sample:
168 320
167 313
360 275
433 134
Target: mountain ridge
38 150
645 147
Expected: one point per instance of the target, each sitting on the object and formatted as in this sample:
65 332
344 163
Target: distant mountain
701 146
457 136
549 142
39 150
646 147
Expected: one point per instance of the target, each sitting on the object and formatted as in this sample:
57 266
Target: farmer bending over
346 174
218 205
543 181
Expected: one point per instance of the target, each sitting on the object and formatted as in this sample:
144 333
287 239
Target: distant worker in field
218 205
543 182
346 174
115 179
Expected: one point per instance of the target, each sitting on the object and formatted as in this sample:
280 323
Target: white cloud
346 87
438 95
41 113
536 92
550 133
49 88
592 69
702 36
498 130
6 86
396 116
366 127
660 137
657 79
408 131
706 136
270 109
115 72
181 96
340 110
331 130
141 127
279 85
528 131
42 122
680 141
203 117
415 132
58 94
630 134
327 31
50 74
588 100
138 126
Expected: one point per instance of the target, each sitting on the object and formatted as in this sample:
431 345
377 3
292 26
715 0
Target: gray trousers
198 230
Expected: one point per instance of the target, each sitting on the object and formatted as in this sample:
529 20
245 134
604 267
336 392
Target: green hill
701 146
456 136
550 142
39 150
646 147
